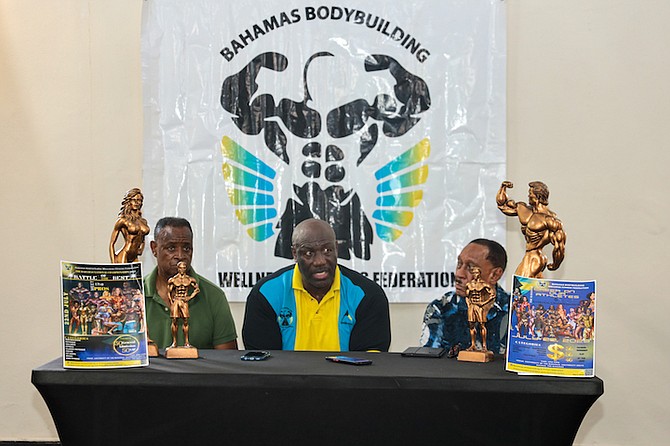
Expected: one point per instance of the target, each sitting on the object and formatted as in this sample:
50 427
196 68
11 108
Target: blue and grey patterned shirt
445 322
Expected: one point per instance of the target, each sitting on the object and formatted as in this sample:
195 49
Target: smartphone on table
255 356
349 360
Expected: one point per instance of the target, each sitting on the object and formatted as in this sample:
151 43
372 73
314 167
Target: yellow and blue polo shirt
281 315
316 322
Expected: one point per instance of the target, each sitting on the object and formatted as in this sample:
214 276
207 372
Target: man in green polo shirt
211 324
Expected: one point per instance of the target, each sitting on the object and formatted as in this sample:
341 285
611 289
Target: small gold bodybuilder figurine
178 296
539 225
480 297
132 226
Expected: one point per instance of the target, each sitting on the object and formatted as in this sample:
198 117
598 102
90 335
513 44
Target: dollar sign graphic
556 352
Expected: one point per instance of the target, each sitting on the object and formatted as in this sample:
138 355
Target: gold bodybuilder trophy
539 225
480 297
133 227
178 297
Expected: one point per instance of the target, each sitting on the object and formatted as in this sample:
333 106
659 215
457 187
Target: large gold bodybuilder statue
132 226
480 297
178 297
539 225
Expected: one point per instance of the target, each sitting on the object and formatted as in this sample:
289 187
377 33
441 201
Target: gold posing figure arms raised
539 226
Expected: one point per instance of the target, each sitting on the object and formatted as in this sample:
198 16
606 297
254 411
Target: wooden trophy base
152 349
181 353
475 356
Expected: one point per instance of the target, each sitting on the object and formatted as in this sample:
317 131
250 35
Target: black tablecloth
300 398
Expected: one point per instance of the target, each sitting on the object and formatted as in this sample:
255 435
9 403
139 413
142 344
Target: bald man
316 304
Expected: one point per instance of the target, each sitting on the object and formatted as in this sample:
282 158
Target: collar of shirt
299 288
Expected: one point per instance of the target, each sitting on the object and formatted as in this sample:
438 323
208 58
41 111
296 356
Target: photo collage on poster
103 315
552 327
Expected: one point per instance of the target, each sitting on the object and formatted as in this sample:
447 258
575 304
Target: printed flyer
552 327
103 315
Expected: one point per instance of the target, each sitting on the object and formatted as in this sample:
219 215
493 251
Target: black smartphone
349 360
255 356
424 352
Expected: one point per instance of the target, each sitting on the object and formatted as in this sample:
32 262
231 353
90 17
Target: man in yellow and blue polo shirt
316 304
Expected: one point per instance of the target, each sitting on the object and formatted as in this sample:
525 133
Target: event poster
386 119
552 327
103 315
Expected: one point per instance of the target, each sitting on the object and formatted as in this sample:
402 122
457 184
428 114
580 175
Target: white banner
386 119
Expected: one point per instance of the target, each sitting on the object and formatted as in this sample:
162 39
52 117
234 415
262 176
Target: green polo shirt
210 323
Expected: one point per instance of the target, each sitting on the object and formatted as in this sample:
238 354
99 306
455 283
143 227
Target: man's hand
507 184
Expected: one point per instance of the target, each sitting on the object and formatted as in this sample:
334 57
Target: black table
298 398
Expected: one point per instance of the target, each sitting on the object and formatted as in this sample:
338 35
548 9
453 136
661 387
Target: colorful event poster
552 327
103 315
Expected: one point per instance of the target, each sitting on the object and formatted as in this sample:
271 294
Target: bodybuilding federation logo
299 132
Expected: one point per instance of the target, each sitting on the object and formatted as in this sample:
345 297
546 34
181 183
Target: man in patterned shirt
445 322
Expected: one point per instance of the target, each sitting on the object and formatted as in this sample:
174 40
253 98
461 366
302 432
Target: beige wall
588 103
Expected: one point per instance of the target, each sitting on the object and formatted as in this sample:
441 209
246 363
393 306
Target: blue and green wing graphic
400 185
250 187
